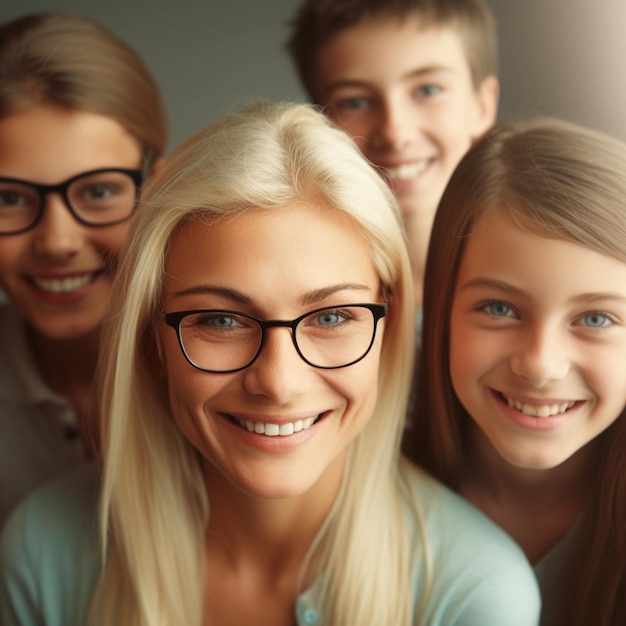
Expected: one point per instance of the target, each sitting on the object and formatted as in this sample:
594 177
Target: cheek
12 249
110 241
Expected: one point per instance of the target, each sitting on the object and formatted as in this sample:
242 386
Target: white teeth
63 285
544 410
407 171
275 430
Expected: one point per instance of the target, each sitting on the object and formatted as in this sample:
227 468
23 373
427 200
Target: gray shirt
39 438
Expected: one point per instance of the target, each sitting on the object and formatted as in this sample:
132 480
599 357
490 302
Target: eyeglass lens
96 198
221 341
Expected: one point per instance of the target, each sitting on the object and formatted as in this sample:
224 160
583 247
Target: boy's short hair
318 20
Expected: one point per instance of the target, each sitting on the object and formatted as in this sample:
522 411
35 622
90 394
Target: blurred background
557 57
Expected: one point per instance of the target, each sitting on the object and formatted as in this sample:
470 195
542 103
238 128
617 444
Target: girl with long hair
521 391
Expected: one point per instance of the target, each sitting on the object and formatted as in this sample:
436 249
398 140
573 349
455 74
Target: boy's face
405 93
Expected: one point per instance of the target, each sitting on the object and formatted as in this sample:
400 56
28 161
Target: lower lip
528 422
278 443
65 299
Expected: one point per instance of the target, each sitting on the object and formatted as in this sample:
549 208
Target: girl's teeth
544 410
63 285
275 430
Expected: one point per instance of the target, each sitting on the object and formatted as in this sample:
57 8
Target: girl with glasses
255 373
81 124
521 388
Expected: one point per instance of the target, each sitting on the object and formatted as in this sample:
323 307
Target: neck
68 367
418 229
536 507
274 534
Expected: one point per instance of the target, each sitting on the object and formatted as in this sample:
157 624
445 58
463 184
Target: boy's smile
404 92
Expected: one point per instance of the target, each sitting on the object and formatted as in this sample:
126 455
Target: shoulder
49 555
479 574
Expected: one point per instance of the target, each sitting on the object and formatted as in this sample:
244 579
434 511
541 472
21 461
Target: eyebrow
310 297
499 285
413 74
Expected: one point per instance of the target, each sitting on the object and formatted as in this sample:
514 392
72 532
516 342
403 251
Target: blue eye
331 318
352 104
498 309
596 320
427 91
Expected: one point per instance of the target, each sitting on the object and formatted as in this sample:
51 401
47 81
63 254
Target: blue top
49 561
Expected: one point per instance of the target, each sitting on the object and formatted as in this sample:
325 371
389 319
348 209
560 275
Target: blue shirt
49 561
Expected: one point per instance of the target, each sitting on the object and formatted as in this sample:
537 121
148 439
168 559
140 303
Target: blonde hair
73 63
561 181
264 157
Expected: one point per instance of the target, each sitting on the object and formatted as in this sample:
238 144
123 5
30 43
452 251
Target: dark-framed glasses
221 341
100 197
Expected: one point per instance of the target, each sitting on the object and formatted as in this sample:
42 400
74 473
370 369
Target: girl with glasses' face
58 274
276 427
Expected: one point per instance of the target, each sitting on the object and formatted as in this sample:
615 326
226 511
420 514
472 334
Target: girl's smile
537 341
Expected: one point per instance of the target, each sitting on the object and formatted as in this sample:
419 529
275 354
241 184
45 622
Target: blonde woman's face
538 342
58 274
279 427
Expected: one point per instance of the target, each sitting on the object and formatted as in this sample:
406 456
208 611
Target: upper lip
273 419
535 400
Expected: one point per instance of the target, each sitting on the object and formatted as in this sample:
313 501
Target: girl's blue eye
596 320
352 104
498 309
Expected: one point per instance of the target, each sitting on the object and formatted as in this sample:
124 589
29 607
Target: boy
412 81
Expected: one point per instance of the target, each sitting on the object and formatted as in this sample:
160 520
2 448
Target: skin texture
49 145
405 94
544 326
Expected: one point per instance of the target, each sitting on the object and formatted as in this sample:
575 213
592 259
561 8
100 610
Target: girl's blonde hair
561 181
154 504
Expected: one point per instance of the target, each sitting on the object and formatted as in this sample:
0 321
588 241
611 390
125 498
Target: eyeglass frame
378 311
137 175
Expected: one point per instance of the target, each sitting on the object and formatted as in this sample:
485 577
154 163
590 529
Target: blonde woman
254 392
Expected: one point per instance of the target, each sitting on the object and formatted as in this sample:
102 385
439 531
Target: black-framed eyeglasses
101 197
221 342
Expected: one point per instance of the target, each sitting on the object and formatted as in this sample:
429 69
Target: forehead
270 254
499 249
382 45
47 144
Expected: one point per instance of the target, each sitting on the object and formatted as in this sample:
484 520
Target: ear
487 97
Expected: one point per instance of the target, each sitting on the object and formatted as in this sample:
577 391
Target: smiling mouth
64 285
276 430
406 171
538 410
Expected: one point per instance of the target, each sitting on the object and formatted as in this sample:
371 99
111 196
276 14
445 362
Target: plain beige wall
557 57
564 58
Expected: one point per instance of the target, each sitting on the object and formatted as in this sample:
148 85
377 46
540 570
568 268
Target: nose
58 235
395 125
542 357
278 373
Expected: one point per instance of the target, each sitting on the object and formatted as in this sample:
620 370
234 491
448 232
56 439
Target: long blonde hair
154 506
560 181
